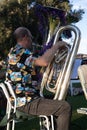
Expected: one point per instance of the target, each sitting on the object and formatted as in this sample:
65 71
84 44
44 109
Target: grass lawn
78 122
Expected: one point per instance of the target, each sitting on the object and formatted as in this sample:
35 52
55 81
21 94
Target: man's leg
61 110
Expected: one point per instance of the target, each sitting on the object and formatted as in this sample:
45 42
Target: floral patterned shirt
21 72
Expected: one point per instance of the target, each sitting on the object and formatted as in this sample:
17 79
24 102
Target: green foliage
14 13
74 16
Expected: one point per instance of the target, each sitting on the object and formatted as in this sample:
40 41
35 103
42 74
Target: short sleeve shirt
21 72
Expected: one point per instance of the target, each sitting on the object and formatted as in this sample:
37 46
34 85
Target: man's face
29 38
28 41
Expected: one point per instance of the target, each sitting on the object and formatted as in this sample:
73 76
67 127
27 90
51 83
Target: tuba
57 75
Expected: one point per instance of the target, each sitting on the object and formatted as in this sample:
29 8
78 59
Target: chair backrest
82 72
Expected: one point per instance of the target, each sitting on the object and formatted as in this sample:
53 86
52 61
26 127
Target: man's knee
67 107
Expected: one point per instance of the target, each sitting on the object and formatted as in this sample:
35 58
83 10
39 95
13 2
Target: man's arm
47 57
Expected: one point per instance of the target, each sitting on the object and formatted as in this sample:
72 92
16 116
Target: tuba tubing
62 81
59 78
73 52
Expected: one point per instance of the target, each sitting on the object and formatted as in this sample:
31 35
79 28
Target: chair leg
14 107
9 106
8 115
13 124
10 124
52 122
45 123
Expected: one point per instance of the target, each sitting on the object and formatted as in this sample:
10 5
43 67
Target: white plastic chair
82 73
11 110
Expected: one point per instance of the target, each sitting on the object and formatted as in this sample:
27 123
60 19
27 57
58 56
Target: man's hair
21 32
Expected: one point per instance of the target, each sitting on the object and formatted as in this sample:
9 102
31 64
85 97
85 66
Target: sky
82 25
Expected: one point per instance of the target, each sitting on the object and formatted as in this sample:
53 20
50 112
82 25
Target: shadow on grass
32 124
79 124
